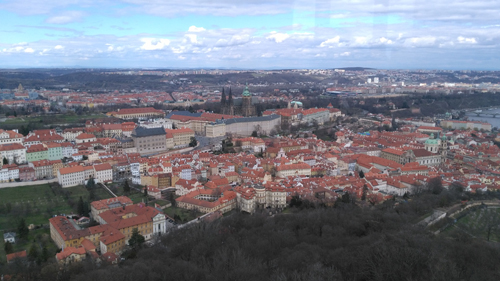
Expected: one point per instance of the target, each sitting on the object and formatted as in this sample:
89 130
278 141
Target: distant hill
357 68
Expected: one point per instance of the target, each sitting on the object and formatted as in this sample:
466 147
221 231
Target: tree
22 229
171 198
126 187
193 142
8 247
5 161
146 191
254 134
85 157
365 191
435 185
361 174
90 183
45 254
33 252
136 239
81 207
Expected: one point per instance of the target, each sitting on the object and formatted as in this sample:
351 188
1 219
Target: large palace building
230 107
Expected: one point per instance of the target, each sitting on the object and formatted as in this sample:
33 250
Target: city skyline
250 34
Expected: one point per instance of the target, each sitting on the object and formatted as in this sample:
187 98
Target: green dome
246 93
431 141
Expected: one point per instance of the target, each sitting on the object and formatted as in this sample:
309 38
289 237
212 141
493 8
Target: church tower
444 147
223 99
247 109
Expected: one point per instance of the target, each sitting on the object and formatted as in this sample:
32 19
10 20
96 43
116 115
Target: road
206 143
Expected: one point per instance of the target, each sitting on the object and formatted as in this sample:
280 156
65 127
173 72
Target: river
495 122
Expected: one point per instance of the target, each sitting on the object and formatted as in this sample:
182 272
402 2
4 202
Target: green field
52 119
478 222
38 203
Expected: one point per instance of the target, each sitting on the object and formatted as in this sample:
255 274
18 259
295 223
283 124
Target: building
230 107
9 237
104 205
37 152
55 151
27 174
179 138
103 172
298 169
255 145
147 220
17 255
70 255
213 130
137 113
465 125
43 136
43 169
149 140
7 136
208 201
84 137
71 176
13 152
246 126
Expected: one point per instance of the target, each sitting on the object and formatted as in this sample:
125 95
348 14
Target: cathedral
232 107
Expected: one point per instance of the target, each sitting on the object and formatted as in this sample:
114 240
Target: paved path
24 183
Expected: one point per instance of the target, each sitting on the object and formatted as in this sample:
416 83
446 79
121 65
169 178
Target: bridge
480 114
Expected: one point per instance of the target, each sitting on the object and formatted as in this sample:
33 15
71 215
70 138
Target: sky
251 34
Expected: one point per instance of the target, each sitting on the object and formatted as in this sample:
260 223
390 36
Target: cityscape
212 140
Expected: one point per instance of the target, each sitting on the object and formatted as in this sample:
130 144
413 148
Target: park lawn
39 203
53 119
185 215
136 197
475 224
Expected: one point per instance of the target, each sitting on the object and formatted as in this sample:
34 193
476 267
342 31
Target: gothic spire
230 100
223 99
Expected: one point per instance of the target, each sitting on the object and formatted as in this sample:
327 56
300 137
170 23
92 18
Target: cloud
151 44
463 40
193 28
332 42
385 41
59 47
192 38
277 37
66 17
425 41
235 40
29 50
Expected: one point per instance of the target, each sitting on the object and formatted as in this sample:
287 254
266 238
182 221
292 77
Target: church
234 107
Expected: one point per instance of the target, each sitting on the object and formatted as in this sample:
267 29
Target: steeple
223 98
230 100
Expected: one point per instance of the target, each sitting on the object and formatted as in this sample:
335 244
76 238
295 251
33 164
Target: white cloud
425 41
66 17
386 41
59 47
331 42
193 28
151 44
29 50
192 38
278 37
345 54
464 40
